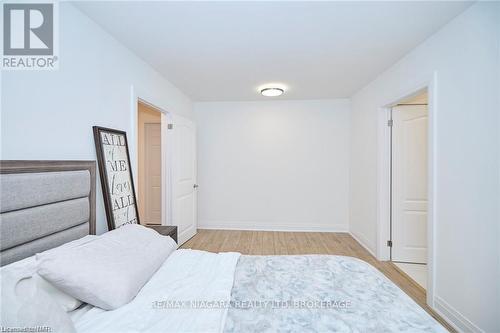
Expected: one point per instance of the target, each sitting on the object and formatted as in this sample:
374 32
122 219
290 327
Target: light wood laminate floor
283 243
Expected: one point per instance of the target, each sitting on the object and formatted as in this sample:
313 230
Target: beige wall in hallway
146 114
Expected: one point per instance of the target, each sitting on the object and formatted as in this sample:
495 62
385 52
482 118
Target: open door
409 184
184 177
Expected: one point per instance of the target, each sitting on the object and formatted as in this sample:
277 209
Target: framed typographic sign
116 177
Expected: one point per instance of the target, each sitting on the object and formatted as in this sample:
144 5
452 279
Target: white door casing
184 177
409 183
152 170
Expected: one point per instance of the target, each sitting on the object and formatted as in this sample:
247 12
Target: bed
48 204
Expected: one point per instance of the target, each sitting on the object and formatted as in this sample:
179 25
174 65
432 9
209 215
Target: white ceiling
223 51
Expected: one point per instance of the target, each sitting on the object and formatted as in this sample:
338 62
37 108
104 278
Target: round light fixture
272 92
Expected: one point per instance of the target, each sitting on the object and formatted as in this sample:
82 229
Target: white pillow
67 302
109 271
24 305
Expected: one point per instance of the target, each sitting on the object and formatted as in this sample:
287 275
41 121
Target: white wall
465 56
49 115
278 165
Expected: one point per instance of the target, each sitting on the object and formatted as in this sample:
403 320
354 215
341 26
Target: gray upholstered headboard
44 204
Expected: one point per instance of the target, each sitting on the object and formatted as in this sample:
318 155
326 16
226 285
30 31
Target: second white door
409 183
184 187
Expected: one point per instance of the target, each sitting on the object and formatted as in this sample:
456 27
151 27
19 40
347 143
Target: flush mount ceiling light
272 92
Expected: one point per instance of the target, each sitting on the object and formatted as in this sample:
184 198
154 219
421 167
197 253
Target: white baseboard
271 226
453 317
364 243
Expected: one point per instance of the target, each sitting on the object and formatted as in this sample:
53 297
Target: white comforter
372 302
186 275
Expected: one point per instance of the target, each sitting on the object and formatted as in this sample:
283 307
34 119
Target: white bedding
185 275
346 295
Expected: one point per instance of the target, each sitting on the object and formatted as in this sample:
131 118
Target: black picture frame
115 206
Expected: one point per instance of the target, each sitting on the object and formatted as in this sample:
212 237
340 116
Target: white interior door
152 170
409 183
184 192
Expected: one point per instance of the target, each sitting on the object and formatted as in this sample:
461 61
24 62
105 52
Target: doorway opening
149 154
409 200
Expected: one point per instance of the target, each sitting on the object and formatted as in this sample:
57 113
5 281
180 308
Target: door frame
384 176
141 96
